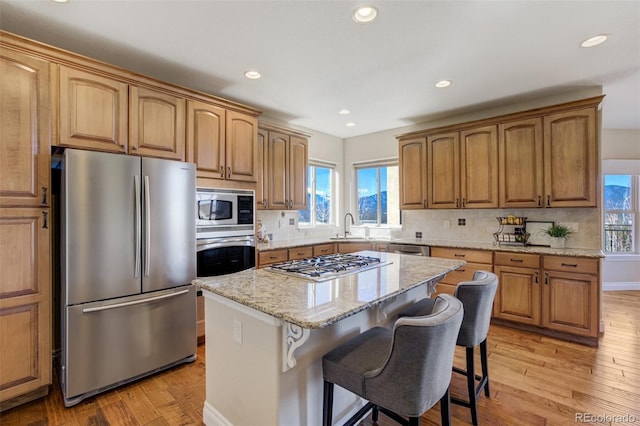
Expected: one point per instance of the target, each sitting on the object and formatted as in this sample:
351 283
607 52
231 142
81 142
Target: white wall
621 272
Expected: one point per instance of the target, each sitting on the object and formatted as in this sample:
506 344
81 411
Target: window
319 196
621 213
377 189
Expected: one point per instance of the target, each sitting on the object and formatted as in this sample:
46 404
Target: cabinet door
25 300
443 171
277 170
156 124
521 170
242 155
206 139
413 173
93 111
298 160
518 295
570 303
570 159
479 167
24 130
262 177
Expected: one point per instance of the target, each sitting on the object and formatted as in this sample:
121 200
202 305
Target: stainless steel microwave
224 213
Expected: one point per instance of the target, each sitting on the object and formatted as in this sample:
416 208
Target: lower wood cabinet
300 252
200 318
477 260
352 247
519 294
268 257
25 305
321 249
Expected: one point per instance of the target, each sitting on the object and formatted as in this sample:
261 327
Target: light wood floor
535 380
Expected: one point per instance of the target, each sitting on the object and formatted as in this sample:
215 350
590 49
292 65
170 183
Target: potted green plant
558 235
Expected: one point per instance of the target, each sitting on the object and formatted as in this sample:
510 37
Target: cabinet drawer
571 264
465 273
300 252
321 249
272 256
475 256
518 260
351 247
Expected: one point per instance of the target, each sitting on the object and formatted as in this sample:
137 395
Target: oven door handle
225 242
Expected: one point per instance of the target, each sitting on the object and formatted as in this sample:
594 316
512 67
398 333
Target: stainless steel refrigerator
128 256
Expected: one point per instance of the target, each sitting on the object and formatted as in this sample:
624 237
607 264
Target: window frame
634 211
387 162
312 164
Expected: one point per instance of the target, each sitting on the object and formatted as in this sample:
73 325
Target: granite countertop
574 252
311 304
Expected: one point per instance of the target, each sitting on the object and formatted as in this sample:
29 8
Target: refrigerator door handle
147 221
134 302
138 230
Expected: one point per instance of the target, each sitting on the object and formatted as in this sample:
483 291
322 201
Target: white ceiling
315 59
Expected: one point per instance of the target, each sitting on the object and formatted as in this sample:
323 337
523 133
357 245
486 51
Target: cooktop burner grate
328 266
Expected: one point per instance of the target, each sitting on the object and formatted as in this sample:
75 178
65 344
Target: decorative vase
557 242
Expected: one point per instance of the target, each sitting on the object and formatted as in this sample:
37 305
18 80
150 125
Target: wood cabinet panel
570 158
320 249
241 153
570 303
298 160
413 173
300 253
517 260
272 256
352 247
443 171
206 126
479 167
200 321
520 165
466 273
25 298
475 256
572 264
92 111
518 295
156 123
25 130
278 155
262 177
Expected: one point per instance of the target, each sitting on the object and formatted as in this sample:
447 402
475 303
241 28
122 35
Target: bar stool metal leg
327 404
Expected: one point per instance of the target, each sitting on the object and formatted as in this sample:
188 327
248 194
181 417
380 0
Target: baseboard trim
213 417
620 286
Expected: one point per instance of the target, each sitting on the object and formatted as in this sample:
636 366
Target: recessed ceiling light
344 111
594 41
252 74
443 83
365 14
350 124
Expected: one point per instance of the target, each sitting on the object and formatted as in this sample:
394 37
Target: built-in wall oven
225 229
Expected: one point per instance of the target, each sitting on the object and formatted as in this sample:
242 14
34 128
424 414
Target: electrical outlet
237 331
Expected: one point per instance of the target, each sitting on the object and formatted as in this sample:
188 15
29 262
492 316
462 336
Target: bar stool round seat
477 298
402 371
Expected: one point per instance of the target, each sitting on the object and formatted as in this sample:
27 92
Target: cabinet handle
44 217
273 257
457 203
464 202
134 147
546 278
548 200
459 255
516 260
462 270
44 195
539 201
535 278
221 171
229 172
570 265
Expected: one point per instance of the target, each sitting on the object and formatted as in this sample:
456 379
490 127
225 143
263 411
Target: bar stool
477 298
400 372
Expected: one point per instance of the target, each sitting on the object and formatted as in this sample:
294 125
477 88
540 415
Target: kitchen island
266 334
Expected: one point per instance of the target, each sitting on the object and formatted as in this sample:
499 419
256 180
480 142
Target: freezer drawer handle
135 302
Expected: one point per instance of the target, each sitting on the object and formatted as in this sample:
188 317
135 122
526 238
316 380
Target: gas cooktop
329 266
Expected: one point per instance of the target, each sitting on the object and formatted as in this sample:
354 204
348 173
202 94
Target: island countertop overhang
309 304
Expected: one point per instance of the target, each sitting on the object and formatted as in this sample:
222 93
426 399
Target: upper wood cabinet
25 130
284 170
520 166
92 111
241 153
462 169
571 159
156 123
413 173
262 177
206 139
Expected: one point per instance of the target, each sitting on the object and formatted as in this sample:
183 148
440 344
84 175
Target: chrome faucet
345 223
